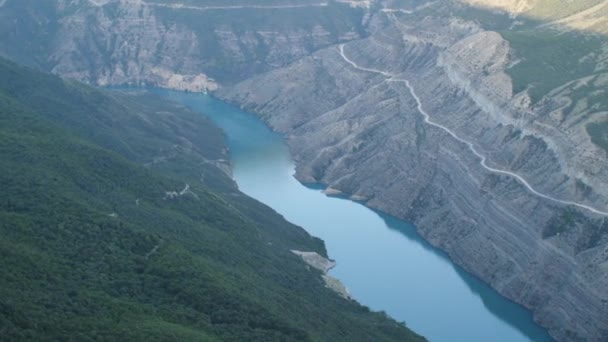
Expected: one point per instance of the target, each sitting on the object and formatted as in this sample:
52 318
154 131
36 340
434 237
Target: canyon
482 122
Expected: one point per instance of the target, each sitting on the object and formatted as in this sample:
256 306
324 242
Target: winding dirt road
482 158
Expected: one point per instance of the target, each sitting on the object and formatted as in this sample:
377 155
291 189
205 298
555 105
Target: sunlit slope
588 15
559 53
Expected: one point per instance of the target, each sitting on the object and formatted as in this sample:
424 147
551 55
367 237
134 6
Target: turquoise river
382 261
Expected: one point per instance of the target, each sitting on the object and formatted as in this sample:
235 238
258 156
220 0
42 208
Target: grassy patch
598 131
549 60
557 9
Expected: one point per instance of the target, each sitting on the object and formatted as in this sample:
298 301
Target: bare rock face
486 174
183 45
324 265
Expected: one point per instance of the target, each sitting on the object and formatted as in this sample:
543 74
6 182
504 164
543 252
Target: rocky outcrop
324 265
178 45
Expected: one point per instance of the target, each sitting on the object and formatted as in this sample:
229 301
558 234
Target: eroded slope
425 120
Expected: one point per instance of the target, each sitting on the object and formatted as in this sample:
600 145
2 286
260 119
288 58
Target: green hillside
94 247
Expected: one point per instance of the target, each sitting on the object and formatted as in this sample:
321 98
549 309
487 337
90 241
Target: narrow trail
483 159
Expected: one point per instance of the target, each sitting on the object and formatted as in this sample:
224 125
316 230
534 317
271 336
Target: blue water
381 260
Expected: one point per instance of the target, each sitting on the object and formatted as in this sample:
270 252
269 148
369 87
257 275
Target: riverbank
381 259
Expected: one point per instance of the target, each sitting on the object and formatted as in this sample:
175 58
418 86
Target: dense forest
118 224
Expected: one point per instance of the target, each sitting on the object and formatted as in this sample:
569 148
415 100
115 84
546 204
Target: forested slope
118 223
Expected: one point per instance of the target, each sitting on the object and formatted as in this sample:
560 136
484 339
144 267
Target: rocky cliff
423 119
484 122
188 46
